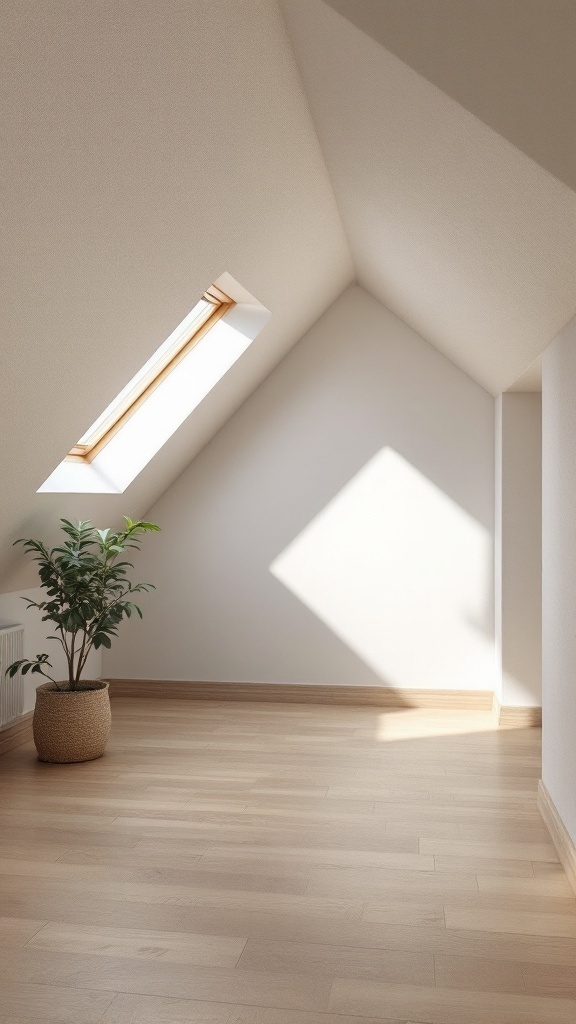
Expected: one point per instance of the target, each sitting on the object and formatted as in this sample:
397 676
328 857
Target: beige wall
559 574
339 528
147 149
519 548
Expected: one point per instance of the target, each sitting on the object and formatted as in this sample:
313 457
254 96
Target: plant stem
71 678
82 658
48 677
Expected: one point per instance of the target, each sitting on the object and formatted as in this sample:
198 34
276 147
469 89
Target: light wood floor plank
313 958
98 876
495 866
16 931
549 980
53 1003
369 884
133 1009
448 1006
501 850
111 974
557 887
514 922
138 944
304 862
479 975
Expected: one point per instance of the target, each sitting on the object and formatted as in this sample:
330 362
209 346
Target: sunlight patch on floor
427 724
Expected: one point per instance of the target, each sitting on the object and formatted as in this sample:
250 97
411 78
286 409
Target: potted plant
88 595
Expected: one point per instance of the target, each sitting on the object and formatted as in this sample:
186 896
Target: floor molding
565 847
300 693
16 733
510 717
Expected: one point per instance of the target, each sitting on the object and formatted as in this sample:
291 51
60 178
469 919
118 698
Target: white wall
559 574
519 549
339 529
13 609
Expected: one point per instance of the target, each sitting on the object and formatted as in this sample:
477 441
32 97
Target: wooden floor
284 864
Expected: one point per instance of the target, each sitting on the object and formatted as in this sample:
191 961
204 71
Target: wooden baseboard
509 717
520 718
300 693
565 846
16 733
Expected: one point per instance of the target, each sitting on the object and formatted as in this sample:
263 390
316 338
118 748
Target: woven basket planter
72 725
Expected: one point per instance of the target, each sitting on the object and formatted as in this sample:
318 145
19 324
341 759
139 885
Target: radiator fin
11 690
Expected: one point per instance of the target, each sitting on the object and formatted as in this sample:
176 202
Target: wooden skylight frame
220 304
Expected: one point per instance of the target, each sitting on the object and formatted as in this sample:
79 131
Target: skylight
206 312
163 393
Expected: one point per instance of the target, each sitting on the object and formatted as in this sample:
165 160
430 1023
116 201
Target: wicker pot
71 725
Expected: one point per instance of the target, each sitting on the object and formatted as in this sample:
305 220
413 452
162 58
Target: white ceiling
510 62
148 148
530 380
452 227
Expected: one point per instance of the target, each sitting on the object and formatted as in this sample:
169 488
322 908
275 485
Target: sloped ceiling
531 379
148 148
450 225
510 62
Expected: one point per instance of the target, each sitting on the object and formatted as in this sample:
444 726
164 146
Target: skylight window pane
185 328
152 407
137 388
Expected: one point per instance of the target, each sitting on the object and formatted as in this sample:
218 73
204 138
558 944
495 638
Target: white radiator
11 690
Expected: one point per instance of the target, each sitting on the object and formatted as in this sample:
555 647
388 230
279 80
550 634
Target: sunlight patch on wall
400 573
